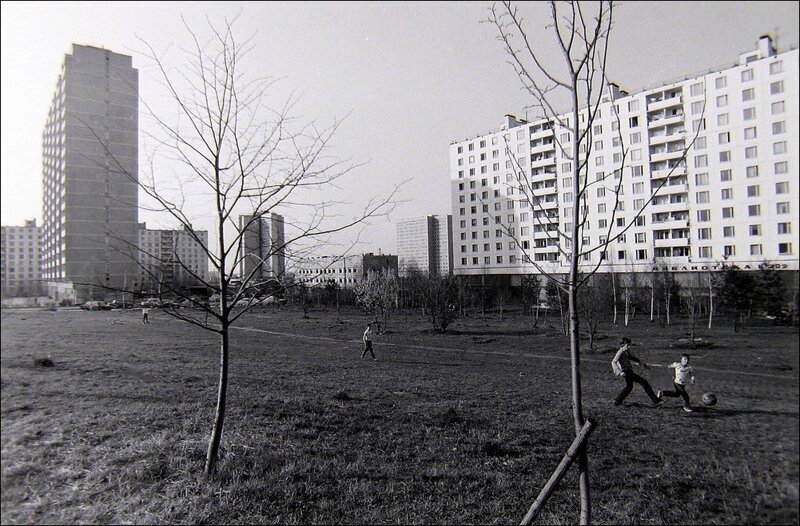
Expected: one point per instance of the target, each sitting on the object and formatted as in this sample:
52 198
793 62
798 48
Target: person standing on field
683 372
368 342
145 313
621 364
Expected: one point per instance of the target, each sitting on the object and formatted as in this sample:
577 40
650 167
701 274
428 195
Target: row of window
705 252
704 216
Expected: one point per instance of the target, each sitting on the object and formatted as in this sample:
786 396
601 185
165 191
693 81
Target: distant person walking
145 313
621 364
683 371
368 342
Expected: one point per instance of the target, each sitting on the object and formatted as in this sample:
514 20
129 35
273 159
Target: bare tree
377 294
234 153
582 36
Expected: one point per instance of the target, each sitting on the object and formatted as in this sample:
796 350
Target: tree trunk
666 300
710 302
222 393
614 294
627 306
652 301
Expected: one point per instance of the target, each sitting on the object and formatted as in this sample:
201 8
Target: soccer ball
709 399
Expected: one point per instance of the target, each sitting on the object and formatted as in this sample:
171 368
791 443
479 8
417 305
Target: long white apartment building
732 200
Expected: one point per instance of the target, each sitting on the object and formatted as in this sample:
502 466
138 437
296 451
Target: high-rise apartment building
177 258
90 152
732 200
262 251
20 259
426 244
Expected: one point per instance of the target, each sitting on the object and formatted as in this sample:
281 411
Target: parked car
95 305
121 304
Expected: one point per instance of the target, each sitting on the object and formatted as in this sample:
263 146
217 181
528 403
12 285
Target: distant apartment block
20 259
425 244
262 252
177 258
733 200
90 152
344 271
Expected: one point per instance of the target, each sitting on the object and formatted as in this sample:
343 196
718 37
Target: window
779 148
724 138
620 221
727 212
754 210
705 252
703 216
725 156
748 94
638 188
641 237
483 156
782 208
471 157
784 228
752 191
747 75
701 179
598 129
460 149
781 168
725 175
636 138
703 233
700 161
697 107
784 248
782 187
755 230
598 161
722 119
641 254
778 127
601 192
633 122
728 231
751 171
775 67
696 89
776 87
750 133
633 105
722 101
700 143
749 114
726 194
778 107
720 82
751 152
729 250
601 208
702 197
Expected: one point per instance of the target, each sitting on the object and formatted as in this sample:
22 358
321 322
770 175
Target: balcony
672 242
540 148
658 121
544 132
670 223
545 161
666 155
665 103
668 172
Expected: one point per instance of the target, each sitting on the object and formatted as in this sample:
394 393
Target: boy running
622 367
683 372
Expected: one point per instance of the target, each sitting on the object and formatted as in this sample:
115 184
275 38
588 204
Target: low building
344 271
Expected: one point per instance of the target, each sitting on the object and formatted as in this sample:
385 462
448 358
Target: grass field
464 427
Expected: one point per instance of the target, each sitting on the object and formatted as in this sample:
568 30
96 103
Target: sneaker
660 394
688 409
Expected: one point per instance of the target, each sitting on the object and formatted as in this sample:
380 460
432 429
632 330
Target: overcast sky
413 77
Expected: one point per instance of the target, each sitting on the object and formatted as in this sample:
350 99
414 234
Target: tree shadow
481 332
442 364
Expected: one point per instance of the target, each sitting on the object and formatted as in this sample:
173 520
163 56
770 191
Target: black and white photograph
392 262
